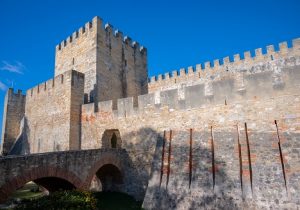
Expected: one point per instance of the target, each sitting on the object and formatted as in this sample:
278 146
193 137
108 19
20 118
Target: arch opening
35 188
111 138
113 141
107 179
53 184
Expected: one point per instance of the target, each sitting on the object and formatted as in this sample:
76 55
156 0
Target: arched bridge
68 170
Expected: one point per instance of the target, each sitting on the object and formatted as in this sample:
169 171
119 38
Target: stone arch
111 138
39 174
110 163
110 177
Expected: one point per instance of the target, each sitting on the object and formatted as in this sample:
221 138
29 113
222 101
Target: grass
30 190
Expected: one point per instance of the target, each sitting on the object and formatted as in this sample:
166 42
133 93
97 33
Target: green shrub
62 200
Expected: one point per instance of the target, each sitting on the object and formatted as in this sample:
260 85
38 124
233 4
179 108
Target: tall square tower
114 66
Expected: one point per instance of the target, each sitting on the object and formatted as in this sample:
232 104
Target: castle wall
53 113
218 68
217 109
121 66
114 67
78 52
14 109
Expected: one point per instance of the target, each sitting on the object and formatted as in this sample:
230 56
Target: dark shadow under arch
110 177
53 184
107 159
41 175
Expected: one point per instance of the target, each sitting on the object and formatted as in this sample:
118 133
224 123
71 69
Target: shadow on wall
140 146
21 145
177 184
186 179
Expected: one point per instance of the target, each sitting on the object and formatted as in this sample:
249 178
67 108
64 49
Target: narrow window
73 61
113 141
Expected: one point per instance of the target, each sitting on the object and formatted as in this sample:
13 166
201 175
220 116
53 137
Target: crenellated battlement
87 30
13 92
72 78
275 78
237 63
114 65
222 134
91 28
14 108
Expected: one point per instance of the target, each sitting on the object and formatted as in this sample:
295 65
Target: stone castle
219 135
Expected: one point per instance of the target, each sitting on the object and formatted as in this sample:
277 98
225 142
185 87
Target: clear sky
176 33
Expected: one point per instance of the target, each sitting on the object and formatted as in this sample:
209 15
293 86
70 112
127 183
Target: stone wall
75 167
218 68
53 113
216 110
121 66
14 109
114 67
78 53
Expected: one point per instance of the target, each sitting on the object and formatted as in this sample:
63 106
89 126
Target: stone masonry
69 167
217 136
114 66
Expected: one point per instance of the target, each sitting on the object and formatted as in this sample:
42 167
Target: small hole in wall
175 80
86 98
125 63
73 61
272 58
225 102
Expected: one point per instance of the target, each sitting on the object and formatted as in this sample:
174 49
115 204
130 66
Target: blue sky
176 33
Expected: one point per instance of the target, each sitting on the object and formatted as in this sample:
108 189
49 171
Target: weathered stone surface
52 113
114 67
14 111
242 151
75 167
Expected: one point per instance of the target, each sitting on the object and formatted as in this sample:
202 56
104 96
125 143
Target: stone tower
114 66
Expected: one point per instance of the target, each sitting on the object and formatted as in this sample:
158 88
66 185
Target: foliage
62 200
